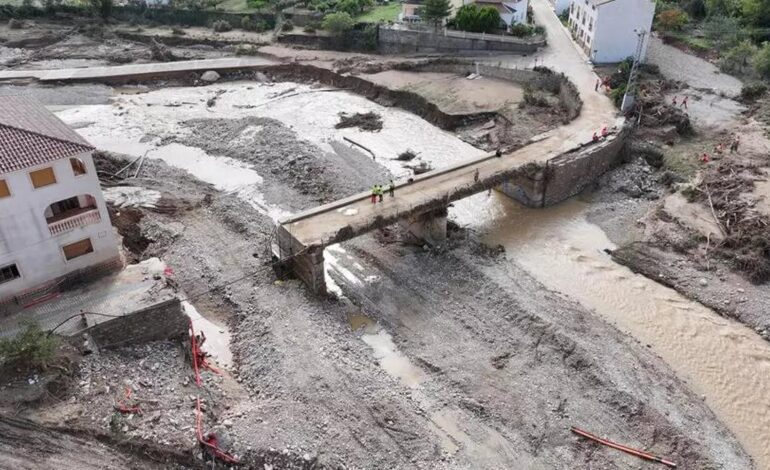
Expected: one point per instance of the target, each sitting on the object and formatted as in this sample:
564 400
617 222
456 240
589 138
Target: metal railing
71 223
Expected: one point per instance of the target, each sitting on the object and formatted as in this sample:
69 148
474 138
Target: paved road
318 226
137 70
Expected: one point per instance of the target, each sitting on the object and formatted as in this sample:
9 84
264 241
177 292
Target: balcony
69 214
74 219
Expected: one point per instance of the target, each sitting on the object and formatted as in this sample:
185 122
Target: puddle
722 360
359 321
217 337
392 360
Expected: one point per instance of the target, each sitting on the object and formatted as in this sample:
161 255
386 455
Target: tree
103 7
435 11
351 7
722 31
477 20
338 23
723 7
756 12
672 19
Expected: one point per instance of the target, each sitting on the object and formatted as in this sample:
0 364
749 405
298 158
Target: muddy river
723 361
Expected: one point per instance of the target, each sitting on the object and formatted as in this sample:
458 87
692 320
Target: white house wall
24 235
615 38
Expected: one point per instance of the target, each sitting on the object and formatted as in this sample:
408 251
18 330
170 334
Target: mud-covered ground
503 366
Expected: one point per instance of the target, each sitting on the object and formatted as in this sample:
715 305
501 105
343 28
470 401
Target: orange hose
629 450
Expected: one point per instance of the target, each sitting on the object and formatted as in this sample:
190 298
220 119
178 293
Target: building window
42 177
78 167
74 250
5 191
9 273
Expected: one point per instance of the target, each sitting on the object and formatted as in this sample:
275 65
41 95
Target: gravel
698 73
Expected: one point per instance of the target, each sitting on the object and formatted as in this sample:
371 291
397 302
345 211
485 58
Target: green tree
339 22
761 60
435 11
756 12
488 19
351 7
722 31
102 7
723 7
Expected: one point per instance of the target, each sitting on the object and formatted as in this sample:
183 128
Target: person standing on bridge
374 194
392 189
476 176
380 192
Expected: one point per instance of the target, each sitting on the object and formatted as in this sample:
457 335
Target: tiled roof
31 135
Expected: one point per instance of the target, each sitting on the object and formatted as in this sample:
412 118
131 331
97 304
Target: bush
521 30
221 26
738 59
672 19
477 20
761 60
338 23
287 25
722 31
246 49
752 92
13 23
309 28
32 347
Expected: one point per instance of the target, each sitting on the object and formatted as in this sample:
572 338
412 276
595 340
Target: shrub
32 347
287 25
753 91
246 49
521 30
309 28
761 60
221 26
13 23
477 20
672 19
738 59
338 23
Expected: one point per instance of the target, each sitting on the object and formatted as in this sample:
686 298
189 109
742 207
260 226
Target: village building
511 11
609 30
54 223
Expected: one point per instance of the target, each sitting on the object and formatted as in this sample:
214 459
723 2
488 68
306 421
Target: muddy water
217 337
722 360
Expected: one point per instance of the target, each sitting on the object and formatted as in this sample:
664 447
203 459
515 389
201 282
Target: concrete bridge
550 169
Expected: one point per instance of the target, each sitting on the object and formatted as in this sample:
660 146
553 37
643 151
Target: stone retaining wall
165 320
395 41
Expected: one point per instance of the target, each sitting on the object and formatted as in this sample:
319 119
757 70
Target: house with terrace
54 224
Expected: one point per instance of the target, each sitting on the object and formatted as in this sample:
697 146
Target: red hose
639 453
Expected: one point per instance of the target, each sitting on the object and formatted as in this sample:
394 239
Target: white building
511 11
607 29
54 223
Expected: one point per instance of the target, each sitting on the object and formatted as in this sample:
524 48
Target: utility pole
629 97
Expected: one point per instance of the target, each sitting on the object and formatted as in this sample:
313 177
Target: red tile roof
31 135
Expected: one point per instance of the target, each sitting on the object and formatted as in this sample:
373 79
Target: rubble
370 121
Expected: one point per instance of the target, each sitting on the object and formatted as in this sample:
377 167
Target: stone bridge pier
291 256
428 227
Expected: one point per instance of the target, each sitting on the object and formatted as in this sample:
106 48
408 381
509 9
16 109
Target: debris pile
370 121
160 53
746 234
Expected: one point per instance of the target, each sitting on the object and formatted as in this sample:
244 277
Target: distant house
608 30
410 11
54 219
511 11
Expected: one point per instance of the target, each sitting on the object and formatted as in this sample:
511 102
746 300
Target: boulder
210 76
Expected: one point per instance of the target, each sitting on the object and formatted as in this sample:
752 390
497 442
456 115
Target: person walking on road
374 194
684 102
476 176
392 189
734 144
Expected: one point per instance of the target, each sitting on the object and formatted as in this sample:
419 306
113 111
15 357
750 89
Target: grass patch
684 164
381 13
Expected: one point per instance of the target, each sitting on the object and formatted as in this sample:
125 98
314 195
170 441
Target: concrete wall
393 41
306 263
25 239
566 175
165 320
